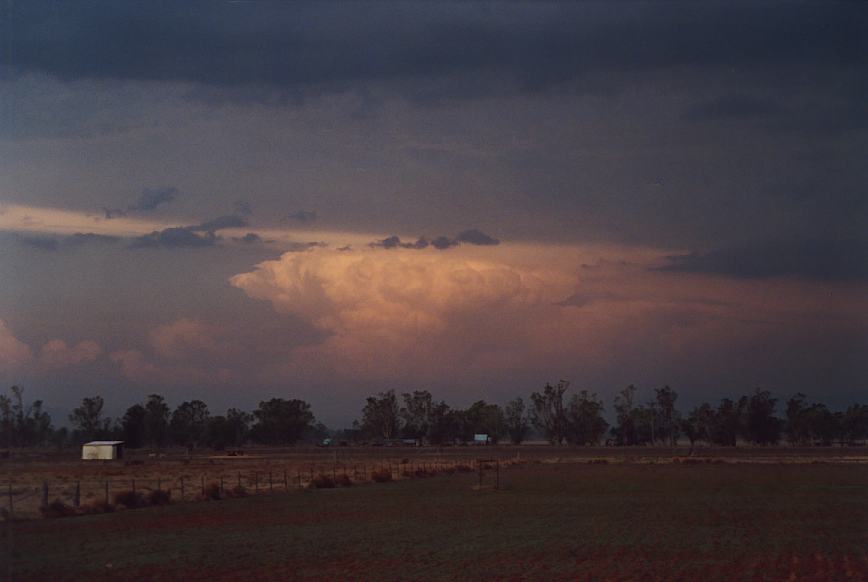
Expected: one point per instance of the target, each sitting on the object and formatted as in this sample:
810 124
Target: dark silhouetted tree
381 415
517 423
763 428
88 419
547 411
189 423
625 416
281 422
133 426
585 422
156 421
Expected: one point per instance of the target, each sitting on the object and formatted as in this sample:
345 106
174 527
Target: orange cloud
13 352
57 354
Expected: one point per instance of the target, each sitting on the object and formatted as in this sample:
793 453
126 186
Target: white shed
102 450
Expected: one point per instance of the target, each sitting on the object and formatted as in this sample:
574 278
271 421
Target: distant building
102 450
481 439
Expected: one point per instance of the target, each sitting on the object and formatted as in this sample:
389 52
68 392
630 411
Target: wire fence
30 499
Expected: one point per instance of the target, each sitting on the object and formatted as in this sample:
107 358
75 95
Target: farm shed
102 450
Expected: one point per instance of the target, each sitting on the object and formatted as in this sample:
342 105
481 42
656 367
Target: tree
189 423
88 419
156 421
483 418
794 425
230 430
281 422
625 429
667 421
585 424
763 428
517 423
133 426
417 414
547 412
380 416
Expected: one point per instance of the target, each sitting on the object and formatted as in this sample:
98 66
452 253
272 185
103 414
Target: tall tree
625 429
381 415
281 422
133 426
668 419
517 423
417 414
585 422
763 427
88 419
189 423
156 421
547 411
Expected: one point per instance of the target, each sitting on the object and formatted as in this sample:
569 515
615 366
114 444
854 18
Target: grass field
548 521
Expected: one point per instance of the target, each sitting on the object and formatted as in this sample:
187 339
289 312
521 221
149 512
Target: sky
235 201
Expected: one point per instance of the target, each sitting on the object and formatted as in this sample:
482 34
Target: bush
211 492
130 499
343 481
57 508
322 482
97 507
381 475
159 497
236 492
464 468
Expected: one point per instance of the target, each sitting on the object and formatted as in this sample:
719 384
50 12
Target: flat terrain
565 520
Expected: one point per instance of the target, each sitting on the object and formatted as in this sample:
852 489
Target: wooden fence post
221 485
285 482
270 483
10 502
106 491
256 482
133 485
45 494
76 501
203 485
182 489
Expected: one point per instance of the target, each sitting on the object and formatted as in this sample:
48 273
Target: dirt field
267 470
550 520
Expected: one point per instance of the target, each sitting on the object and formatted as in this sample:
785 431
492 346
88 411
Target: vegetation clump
381 476
322 482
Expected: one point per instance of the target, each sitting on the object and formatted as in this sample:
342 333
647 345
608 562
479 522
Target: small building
481 439
102 450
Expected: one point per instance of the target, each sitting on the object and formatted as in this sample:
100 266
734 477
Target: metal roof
104 443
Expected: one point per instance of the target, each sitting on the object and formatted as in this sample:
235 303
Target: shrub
130 499
464 468
343 481
322 482
57 508
159 497
381 475
236 492
211 492
97 507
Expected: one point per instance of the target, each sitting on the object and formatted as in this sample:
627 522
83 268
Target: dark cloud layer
197 235
817 259
150 199
55 243
303 216
293 45
473 236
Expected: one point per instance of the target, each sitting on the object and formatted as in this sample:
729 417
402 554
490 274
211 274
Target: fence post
203 485
45 494
182 489
479 463
239 480
106 491
270 483
76 501
221 485
10 501
497 473
285 482
299 477
256 482
133 484
159 483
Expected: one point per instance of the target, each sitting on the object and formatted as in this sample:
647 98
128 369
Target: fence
27 499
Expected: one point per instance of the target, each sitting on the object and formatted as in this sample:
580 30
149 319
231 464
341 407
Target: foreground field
549 521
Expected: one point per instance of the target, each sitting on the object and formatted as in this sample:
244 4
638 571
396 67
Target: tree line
550 413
